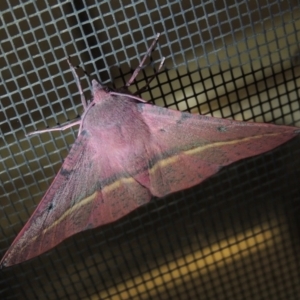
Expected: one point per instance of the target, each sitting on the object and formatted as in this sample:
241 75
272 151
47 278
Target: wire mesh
236 236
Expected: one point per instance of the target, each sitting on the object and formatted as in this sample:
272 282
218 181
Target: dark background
236 236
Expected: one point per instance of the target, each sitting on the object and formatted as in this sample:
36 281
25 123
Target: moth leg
61 128
133 96
83 100
151 78
137 70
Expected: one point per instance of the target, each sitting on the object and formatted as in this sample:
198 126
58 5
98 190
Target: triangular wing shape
128 151
189 148
79 198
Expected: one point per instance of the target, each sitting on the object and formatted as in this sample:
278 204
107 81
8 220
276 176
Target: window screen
236 235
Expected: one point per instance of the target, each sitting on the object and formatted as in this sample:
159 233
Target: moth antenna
84 71
137 70
127 95
61 128
83 100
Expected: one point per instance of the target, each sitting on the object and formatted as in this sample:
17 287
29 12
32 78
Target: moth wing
189 148
79 198
181 151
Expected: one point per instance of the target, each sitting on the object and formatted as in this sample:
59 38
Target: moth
127 151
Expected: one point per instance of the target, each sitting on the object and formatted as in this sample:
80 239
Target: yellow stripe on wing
127 180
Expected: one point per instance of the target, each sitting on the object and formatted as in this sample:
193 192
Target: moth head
100 92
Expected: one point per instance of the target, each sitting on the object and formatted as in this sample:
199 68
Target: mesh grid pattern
235 236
